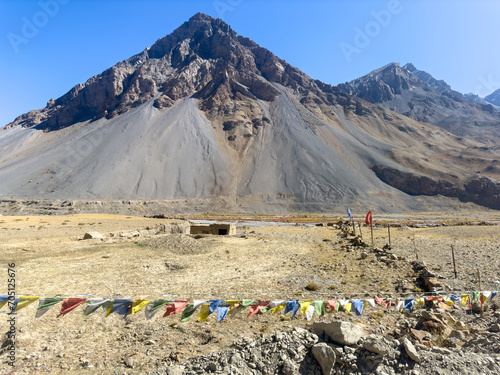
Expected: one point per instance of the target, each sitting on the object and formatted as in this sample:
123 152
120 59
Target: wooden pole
415 246
353 226
360 233
454 264
389 231
371 227
479 279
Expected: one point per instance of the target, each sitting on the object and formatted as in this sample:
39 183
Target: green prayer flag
45 304
246 302
187 312
474 297
320 307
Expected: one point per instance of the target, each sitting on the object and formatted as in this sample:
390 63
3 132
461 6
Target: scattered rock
344 333
378 345
92 236
495 327
410 350
325 356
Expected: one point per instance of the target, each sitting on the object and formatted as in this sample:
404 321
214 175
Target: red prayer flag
70 304
378 300
175 308
255 309
368 218
332 303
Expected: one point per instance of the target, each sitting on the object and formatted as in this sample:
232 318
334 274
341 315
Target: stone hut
222 229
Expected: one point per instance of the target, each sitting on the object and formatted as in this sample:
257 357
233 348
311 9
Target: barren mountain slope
206 113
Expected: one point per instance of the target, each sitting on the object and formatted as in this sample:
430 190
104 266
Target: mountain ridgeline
207 114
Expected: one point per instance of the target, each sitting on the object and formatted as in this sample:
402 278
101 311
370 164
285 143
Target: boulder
378 345
343 333
410 350
92 235
325 356
289 367
495 327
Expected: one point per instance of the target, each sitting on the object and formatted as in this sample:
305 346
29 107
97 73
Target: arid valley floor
260 262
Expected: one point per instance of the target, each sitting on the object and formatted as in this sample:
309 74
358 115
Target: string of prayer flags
120 307
224 308
70 304
45 304
175 307
138 305
153 307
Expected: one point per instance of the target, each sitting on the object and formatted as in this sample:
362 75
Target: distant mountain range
418 95
208 114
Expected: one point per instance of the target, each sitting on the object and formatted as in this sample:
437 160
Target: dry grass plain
262 262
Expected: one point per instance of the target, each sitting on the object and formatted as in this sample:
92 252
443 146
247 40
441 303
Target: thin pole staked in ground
479 278
371 227
389 231
454 264
360 233
353 226
415 246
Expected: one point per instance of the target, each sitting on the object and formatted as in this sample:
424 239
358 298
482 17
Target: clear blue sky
72 40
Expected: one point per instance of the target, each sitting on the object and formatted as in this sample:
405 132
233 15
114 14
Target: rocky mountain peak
494 97
427 78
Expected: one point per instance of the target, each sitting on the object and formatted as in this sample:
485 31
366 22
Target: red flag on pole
368 219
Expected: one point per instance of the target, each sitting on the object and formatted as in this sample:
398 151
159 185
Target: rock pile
338 348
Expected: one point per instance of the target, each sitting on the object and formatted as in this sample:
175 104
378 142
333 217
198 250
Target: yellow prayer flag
278 308
304 305
108 313
138 305
348 307
25 301
2 304
420 301
204 312
463 299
